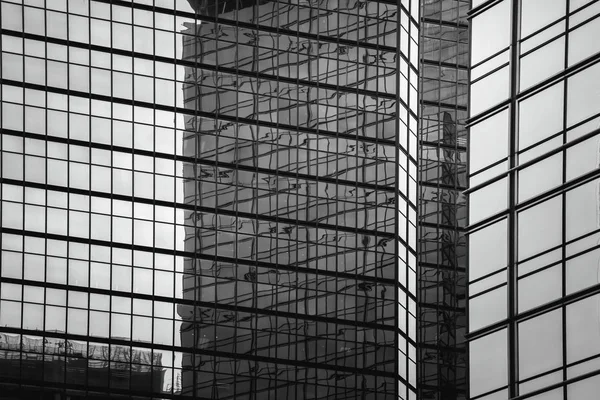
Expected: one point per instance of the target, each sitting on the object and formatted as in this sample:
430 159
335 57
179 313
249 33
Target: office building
292 200
444 61
221 195
534 200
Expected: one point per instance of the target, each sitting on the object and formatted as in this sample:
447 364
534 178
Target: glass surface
492 130
583 157
237 183
489 91
481 262
536 14
539 227
539 288
542 63
576 4
484 176
489 363
584 388
583 271
582 92
541 115
490 32
581 45
487 308
442 160
542 382
583 331
540 177
489 200
540 344
581 208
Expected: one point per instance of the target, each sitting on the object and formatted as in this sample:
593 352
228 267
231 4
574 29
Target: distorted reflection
201 199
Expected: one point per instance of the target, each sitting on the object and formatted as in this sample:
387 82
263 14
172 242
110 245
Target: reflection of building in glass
229 187
90 271
442 206
534 289
293 207
56 361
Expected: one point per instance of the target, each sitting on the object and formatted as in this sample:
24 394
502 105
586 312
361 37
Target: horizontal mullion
197 113
550 306
198 65
188 254
444 105
197 304
202 209
254 26
195 350
200 161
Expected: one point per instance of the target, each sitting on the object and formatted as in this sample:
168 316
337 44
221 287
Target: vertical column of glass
444 57
310 89
547 222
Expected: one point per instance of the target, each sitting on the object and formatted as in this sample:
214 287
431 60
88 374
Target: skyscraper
534 203
228 188
441 279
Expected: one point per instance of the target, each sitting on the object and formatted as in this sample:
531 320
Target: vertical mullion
89 211
298 198
317 246
338 219
513 373
23 193
275 289
564 211
360 378
378 269
64 378
154 187
397 266
45 300
235 184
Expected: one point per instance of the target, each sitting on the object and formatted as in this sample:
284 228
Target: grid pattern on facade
533 203
442 206
208 199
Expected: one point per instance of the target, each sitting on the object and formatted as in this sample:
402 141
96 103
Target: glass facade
534 200
208 199
442 280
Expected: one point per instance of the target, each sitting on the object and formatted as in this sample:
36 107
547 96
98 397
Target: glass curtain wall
534 286
444 61
208 199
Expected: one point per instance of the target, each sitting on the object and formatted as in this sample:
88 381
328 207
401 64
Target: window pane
582 43
540 288
582 208
490 32
584 389
540 177
488 200
583 334
535 14
583 91
542 63
582 271
488 363
539 227
487 308
489 91
540 344
481 261
540 116
488 141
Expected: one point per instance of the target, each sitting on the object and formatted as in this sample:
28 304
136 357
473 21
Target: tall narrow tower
301 200
444 60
